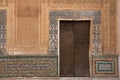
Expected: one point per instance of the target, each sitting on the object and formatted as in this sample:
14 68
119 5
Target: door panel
66 48
81 48
74 48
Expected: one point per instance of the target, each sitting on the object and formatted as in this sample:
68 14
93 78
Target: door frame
90 42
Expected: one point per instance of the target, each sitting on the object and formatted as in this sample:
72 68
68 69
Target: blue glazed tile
72 14
28 66
105 65
3 17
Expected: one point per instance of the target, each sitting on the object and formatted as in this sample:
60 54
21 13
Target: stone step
61 78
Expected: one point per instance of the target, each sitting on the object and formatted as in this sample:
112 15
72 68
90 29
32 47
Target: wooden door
74 48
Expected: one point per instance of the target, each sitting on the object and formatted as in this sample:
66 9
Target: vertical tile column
2 32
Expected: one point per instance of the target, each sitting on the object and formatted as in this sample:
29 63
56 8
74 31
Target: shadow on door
74 48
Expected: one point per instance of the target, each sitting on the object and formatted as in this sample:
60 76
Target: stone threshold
62 78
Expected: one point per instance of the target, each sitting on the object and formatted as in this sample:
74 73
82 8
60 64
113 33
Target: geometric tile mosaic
105 65
28 66
54 17
3 20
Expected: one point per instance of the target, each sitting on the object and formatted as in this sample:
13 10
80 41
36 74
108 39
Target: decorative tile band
105 65
3 17
54 17
28 66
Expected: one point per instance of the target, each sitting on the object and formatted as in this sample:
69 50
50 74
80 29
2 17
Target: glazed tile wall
105 66
95 15
3 17
28 66
23 66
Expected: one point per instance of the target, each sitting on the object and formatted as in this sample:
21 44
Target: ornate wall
26 19
31 29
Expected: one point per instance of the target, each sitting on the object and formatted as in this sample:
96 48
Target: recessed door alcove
74 48
94 20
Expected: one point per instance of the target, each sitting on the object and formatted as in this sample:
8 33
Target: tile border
105 59
54 17
26 69
3 24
